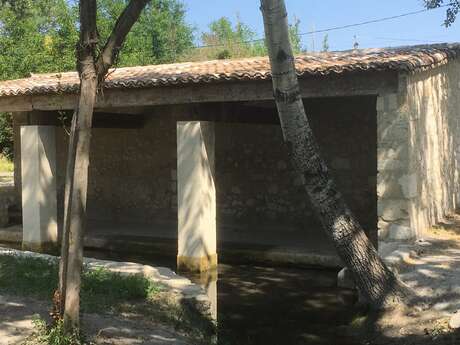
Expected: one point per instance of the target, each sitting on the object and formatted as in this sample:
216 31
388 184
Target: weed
45 335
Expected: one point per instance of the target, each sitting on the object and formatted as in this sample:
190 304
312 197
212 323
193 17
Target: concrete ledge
12 234
190 264
46 247
231 253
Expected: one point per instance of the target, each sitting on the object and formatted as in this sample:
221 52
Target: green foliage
325 43
161 34
6 135
452 10
35 37
6 166
225 40
294 35
54 335
39 36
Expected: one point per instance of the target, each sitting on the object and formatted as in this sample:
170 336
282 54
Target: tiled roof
407 59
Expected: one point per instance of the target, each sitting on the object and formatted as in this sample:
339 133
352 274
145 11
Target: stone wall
418 152
132 173
132 178
257 186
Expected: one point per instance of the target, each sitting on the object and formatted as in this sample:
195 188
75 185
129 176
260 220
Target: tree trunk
66 224
377 284
92 71
78 178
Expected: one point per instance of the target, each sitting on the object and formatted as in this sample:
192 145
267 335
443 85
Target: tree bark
80 140
66 223
377 284
92 71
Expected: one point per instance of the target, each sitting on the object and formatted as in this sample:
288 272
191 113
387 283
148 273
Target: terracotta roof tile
407 59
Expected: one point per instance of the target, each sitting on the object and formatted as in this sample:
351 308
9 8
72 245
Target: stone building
192 153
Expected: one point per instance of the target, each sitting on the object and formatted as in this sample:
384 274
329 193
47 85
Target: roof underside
404 59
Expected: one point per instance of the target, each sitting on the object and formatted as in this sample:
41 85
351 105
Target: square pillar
196 196
396 182
38 174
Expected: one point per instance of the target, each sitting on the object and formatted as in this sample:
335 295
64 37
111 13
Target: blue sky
320 14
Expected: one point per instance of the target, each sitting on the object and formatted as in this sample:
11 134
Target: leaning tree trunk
378 285
92 70
78 162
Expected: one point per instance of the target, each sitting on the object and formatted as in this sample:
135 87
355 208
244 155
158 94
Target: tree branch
113 45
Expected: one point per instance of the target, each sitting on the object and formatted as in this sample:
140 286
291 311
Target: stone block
391 209
386 186
400 232
390 164
454 322
409 185
383 230
341 164
345 279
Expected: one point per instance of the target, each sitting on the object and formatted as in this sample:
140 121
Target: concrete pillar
38 173
196 196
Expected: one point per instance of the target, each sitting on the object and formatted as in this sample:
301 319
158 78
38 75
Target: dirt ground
16 326
433 271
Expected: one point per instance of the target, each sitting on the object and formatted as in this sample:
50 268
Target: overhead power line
347 26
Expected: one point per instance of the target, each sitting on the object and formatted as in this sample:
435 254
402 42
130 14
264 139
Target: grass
6 165
102 290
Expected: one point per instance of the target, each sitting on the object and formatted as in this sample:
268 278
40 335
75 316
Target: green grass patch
102 290
6 165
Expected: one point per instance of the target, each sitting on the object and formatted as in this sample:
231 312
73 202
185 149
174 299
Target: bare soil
17 314
433 271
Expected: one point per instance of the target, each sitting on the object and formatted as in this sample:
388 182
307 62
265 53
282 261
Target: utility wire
335 28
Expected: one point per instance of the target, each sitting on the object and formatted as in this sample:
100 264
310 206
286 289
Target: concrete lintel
342 85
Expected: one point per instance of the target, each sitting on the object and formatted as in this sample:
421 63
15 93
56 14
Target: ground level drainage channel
258 305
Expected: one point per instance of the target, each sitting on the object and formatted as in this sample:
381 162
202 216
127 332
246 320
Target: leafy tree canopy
38 36
452 10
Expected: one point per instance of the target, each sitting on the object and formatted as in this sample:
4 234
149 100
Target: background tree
39 36
161 34
36 36
226 40
377 284
325 43
452 10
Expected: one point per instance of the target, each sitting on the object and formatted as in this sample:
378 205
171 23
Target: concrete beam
196 196
38 172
